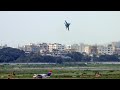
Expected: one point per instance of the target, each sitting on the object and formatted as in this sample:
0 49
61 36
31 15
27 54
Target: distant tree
86 58
10 54
15 55
76 56
108 58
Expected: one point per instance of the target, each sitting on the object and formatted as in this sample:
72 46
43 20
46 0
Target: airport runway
71 68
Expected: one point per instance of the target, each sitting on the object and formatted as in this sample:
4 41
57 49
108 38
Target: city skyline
91 27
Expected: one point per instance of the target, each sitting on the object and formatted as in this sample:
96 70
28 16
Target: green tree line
15 55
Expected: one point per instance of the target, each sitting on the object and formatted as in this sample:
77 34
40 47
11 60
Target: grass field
69 71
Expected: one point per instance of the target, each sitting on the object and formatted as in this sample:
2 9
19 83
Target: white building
43 47
31 48
75 47
87 49
81 47
67 47
56 46
106 49
116 44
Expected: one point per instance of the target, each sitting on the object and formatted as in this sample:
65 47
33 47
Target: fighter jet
43 75
67 25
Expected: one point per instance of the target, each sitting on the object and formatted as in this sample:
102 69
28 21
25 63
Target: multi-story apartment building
94 49
43 47
50 47
31 48
117 51
109 49
81 48
56 46
116 46
75 47
87 49
67 48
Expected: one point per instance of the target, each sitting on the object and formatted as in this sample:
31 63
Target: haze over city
91 27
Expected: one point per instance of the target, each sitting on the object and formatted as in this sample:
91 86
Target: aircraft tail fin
49 73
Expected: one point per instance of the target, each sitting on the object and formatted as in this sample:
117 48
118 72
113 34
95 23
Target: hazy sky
91 27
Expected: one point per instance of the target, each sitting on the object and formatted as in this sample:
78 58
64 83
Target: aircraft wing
69 23
42 74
